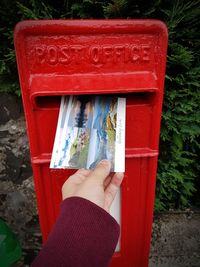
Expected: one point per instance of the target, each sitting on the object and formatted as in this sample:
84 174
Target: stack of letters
90 128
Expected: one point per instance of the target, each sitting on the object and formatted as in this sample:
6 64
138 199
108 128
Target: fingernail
105 162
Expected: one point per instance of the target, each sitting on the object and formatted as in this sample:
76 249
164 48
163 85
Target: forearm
84 235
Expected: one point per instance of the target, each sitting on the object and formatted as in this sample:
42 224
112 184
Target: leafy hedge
178 171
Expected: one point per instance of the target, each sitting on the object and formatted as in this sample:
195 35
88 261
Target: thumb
102 170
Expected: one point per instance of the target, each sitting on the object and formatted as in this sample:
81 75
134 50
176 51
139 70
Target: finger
101 171
112 189
107 181
80 175
117 179
83 172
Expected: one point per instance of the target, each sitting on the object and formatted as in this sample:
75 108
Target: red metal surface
123 57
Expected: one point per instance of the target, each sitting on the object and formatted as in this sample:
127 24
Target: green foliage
178 170
36 10
115 9
11 12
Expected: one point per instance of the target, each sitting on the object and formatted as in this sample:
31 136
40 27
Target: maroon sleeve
84 235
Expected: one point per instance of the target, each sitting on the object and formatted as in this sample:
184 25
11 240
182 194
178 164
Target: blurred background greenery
178 179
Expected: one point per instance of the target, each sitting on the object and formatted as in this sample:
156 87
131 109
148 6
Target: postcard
89 129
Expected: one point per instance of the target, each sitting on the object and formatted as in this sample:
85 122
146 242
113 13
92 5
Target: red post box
121 57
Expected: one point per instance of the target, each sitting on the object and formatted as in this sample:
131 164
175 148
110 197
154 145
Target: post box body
120 57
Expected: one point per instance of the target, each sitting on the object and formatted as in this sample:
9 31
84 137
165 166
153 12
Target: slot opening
53 101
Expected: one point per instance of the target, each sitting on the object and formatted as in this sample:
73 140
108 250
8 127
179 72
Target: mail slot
102 57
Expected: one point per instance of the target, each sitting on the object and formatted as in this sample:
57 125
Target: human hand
96 185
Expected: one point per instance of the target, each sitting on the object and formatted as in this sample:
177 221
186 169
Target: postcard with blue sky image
90 128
